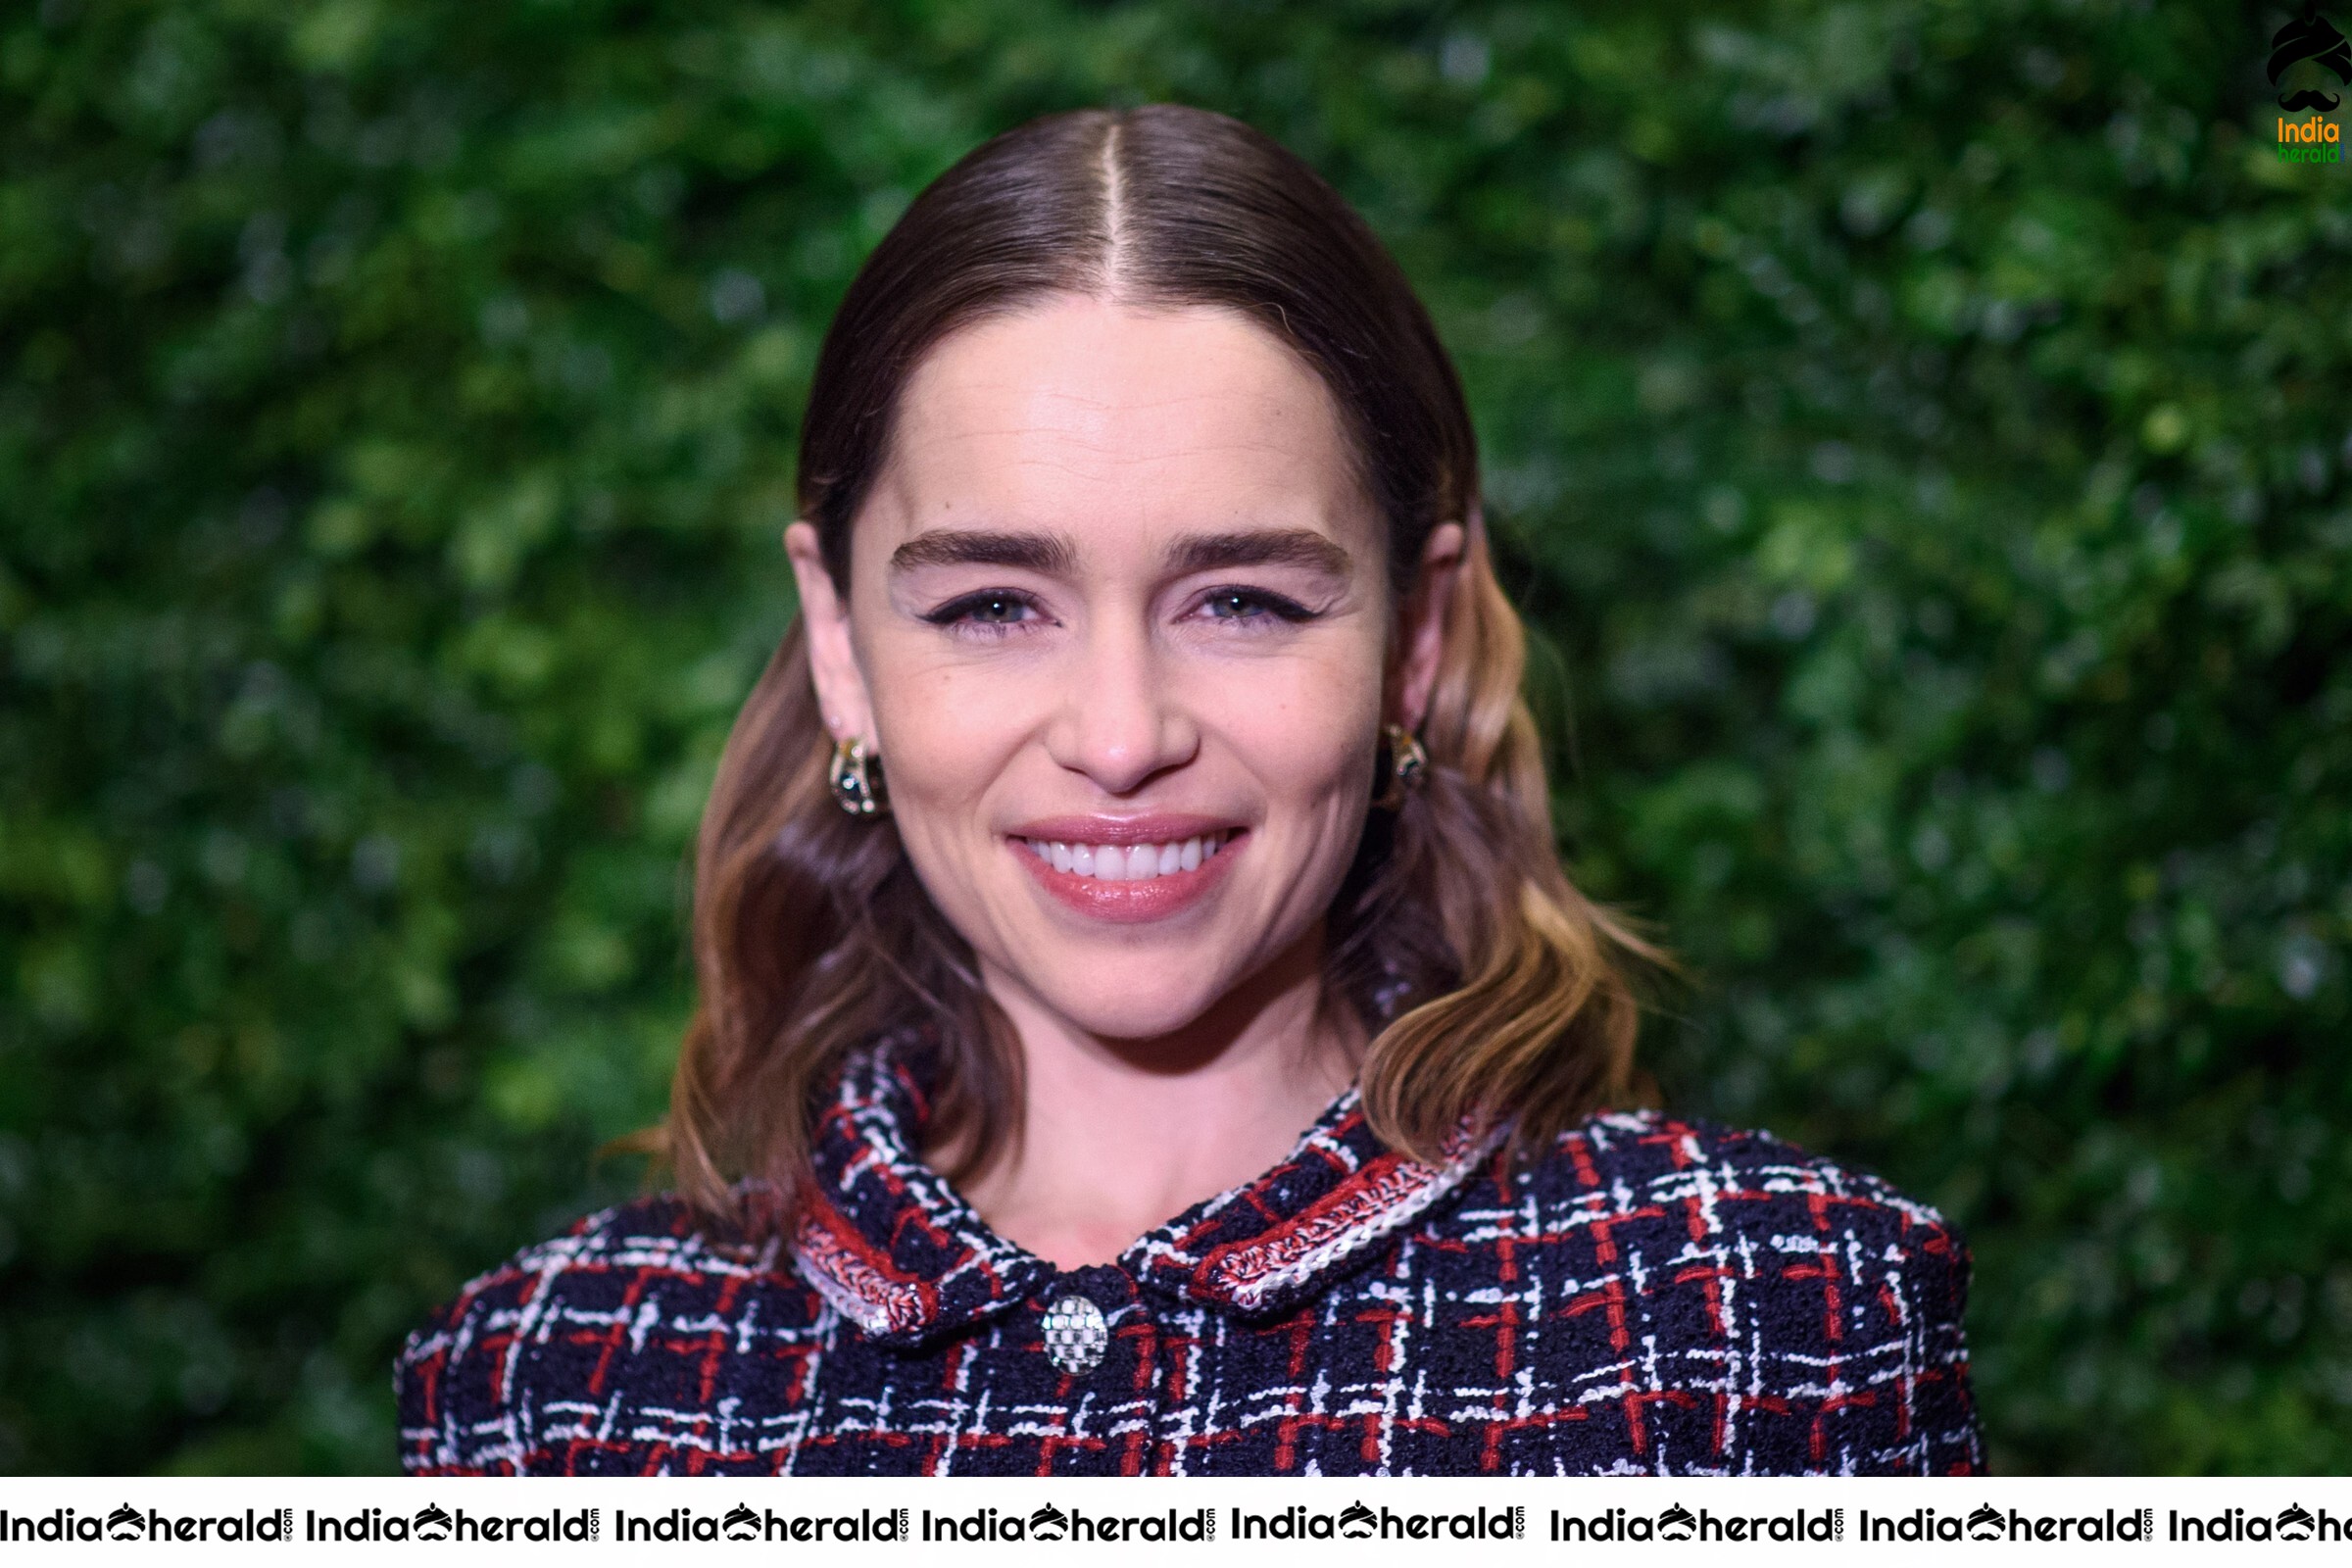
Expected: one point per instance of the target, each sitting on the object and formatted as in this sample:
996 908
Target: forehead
1112 423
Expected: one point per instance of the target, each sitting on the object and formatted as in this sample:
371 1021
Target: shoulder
1681 1248
479 1382
1683 1187
1652 1160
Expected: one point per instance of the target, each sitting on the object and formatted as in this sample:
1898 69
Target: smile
1128 863
1128 871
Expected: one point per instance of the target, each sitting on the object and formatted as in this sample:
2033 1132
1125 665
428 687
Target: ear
1421 628
832 659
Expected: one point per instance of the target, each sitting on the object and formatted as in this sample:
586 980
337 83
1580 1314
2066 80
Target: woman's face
1120 629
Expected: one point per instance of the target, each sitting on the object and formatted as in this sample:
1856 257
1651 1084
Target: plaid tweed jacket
1655 1295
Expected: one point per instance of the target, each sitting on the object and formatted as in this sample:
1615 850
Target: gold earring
856 780
1408 766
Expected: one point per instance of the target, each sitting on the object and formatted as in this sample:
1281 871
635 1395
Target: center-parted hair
1493 991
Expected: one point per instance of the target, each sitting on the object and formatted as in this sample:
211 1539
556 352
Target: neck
1119 1136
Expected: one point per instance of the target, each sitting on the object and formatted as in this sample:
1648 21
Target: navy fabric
1657 1297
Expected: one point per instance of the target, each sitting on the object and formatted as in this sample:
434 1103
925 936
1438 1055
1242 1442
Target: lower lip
1131 902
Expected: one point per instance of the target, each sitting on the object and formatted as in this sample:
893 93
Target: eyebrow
1276 547
1049 553
1053 554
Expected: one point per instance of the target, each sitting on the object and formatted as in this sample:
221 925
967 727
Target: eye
994 610
1246 606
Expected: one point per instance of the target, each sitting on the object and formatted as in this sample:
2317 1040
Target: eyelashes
1246 604
994 610
1001 612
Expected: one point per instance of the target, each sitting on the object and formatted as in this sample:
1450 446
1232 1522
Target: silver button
1075 1335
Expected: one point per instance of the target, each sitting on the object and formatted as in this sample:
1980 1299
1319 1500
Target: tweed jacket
1656 1296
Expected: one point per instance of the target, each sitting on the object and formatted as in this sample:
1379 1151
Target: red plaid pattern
1657 1295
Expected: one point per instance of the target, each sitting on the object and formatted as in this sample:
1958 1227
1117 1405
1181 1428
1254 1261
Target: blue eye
1251 603
995 610
993 607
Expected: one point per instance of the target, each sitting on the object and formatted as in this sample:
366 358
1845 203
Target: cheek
945 734
944 741
1305 734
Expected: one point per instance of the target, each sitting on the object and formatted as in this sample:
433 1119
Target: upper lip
1158 828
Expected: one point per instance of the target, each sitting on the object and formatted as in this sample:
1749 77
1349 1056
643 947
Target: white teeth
1139 862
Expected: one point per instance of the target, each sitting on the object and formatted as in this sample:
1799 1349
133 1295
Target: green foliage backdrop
1919 429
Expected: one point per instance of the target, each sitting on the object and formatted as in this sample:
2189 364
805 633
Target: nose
1120 721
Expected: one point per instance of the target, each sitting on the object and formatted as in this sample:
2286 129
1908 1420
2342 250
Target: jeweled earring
856 780
1407 769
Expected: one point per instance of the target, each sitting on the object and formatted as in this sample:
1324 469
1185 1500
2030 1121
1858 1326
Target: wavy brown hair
1494 991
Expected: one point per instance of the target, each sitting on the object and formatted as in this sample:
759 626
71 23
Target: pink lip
1167 827
1127 903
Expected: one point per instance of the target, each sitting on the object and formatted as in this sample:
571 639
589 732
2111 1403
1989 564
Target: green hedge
1918 429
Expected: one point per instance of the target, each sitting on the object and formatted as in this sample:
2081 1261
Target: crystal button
1075 1334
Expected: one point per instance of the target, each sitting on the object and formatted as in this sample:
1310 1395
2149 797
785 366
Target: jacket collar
893 1248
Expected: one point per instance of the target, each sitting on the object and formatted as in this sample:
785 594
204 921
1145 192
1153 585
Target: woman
1147 780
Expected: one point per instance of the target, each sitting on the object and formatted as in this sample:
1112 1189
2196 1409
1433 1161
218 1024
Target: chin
1147 1014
